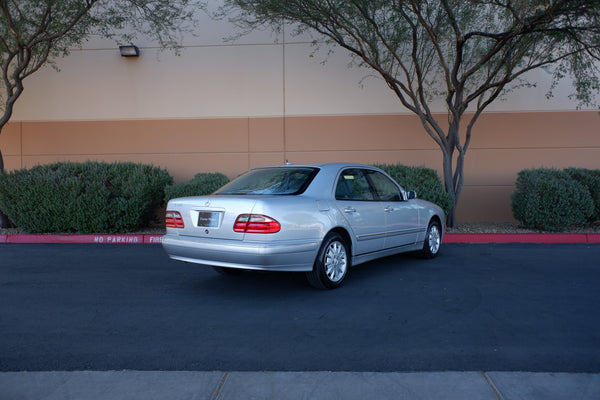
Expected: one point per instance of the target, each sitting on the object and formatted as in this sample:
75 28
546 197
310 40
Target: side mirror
411 194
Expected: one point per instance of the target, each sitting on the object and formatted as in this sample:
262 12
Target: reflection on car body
319 219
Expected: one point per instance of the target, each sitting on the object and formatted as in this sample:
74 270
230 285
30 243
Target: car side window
385 188
352 184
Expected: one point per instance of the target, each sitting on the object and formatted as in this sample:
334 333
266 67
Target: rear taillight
174 220
256 223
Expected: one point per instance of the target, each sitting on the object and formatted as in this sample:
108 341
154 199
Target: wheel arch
326 272
436 218
345 235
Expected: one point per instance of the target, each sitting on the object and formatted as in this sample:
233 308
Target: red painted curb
593 237
516 238
99 239
153 239
448 238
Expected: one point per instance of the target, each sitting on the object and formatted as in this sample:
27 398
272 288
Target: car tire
332 263
433 240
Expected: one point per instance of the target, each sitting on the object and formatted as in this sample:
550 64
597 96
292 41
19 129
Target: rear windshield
276 180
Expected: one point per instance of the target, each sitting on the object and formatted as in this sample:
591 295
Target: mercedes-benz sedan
319 219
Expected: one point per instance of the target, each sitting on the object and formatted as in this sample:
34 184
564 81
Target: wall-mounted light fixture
129 51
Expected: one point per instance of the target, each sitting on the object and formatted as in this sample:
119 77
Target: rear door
366 217
401 216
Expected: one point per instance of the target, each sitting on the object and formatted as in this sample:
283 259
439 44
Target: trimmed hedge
87 197
201 184
591 180
551 200
424 181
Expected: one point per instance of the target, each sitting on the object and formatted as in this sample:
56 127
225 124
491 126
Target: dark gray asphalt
509 307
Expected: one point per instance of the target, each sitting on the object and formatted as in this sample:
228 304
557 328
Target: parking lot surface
502 307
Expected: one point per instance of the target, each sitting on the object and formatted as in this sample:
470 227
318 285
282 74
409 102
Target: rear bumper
265 256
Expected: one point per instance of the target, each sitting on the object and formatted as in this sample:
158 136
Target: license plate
207 219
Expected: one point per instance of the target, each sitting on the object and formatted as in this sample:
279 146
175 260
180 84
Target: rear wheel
433 240
332 263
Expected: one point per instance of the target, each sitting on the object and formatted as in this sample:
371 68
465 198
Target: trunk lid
210 216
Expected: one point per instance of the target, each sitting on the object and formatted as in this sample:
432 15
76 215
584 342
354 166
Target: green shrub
591 180
550 200
201 184
87 197
424 181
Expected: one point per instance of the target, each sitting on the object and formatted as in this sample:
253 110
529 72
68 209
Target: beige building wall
508 143
229 106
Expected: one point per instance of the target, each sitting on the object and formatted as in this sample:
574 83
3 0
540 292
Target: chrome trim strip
371 235
391 233
404 231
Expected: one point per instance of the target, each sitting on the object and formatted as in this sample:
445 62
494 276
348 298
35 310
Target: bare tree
33 33
466 52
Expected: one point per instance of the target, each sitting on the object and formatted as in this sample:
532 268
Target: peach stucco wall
267 97
502 145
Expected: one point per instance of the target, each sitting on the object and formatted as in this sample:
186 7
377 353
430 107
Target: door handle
388 209
349 210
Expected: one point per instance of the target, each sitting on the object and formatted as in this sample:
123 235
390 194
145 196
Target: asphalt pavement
334 383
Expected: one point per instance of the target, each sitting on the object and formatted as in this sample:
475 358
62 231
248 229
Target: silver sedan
319 219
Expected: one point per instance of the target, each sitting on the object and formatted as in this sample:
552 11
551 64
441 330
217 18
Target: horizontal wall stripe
503 146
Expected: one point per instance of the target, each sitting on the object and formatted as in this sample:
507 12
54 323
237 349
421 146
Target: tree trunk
449 186
453 170
4 222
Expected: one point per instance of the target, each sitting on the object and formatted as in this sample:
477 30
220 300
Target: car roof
327 173
326 166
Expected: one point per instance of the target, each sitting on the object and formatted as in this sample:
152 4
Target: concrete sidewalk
165 385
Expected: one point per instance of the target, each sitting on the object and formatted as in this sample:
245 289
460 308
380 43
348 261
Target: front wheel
332 263
433 240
